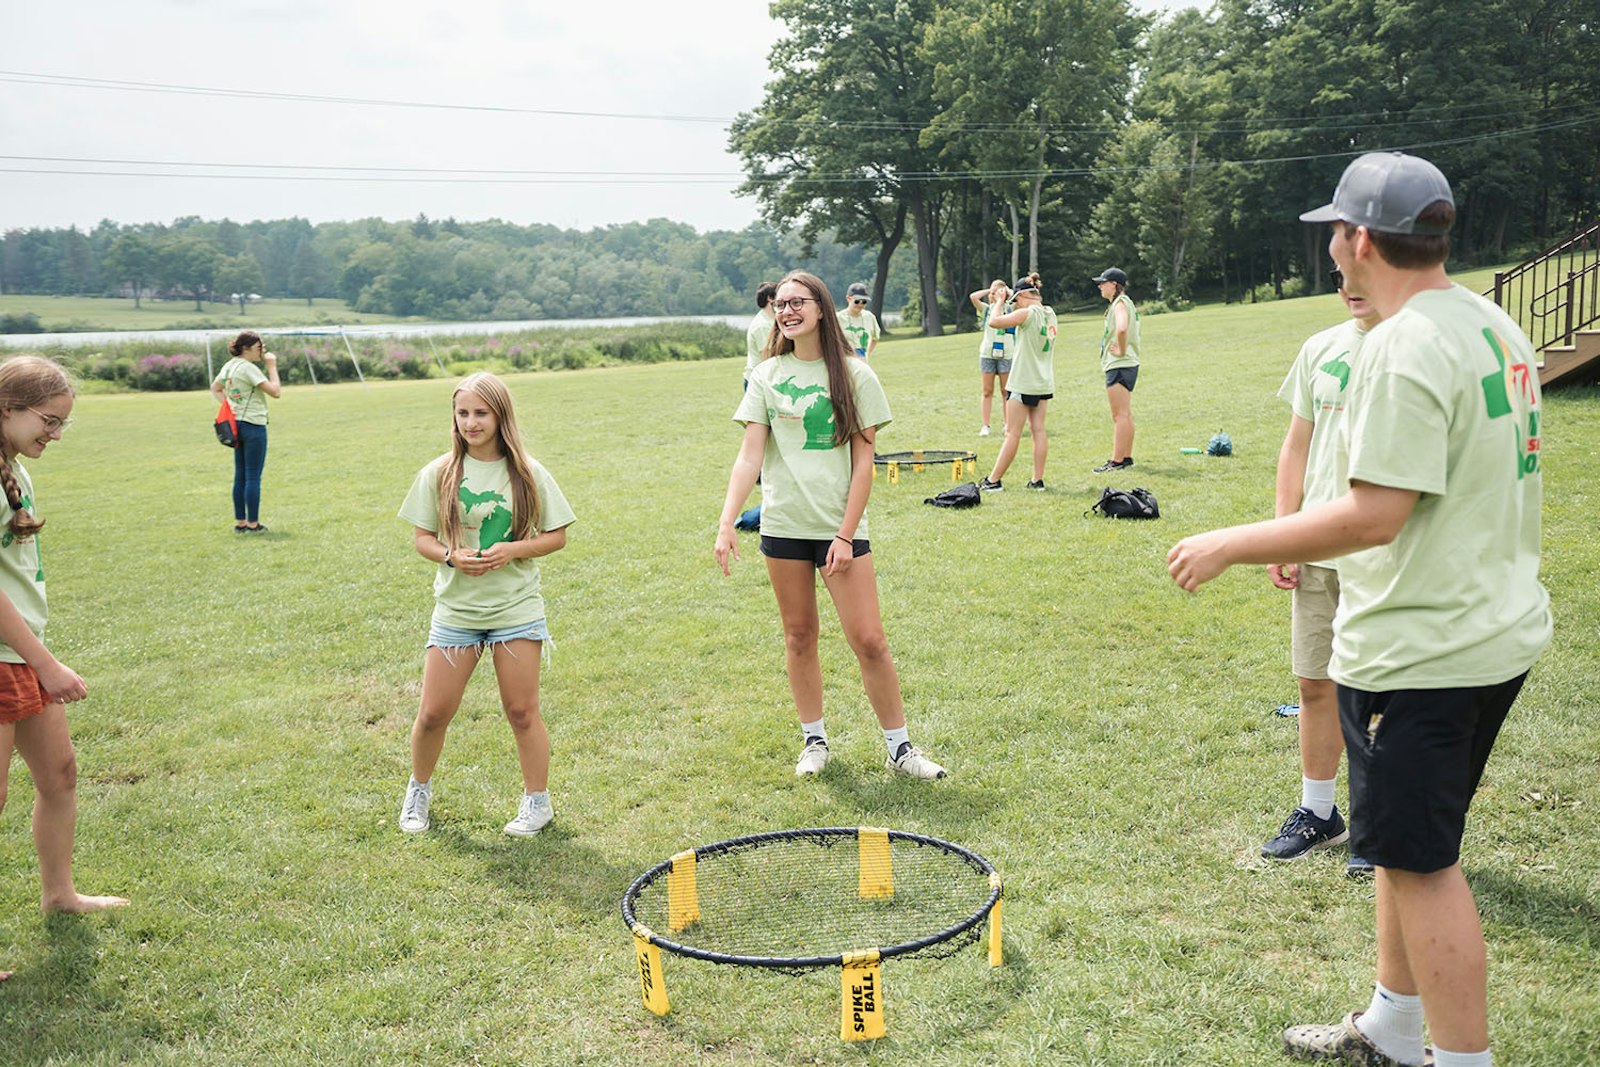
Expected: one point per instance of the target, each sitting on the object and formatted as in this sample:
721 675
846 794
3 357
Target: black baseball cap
1023 285
1112 274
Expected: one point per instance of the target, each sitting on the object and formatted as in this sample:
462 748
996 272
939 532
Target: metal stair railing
1556 293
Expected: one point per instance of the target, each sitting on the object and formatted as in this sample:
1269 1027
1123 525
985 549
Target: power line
1240 125
440 175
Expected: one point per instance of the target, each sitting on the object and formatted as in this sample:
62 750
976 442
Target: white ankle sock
1441 1058
895 738
1393 1022
1318 796
813 729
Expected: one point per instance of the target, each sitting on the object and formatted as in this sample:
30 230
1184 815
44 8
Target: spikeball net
960 463
798 900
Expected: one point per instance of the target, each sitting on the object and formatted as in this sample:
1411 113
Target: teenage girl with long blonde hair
483 513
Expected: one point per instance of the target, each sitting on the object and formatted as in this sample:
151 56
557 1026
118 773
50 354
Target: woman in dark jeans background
244 386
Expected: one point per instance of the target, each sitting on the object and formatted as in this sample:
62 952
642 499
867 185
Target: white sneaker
911 761
414 810
533 815
984 432
813 758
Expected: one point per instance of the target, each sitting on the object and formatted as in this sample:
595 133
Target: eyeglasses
798 303
1337 277
53 423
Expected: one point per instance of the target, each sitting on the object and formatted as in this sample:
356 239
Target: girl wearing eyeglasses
35 407
809 417
246 388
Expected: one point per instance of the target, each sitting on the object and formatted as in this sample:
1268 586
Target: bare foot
79 903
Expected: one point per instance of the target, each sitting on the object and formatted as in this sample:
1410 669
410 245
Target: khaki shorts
1311 621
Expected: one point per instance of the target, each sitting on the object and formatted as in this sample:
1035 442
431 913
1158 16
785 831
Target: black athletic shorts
1123 376
1030 399
1416 756
805 548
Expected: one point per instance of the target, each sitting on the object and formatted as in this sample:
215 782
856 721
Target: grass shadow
555 863
1546 910
881 797
59 1010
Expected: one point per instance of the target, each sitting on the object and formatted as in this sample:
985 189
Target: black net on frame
918 458
797 899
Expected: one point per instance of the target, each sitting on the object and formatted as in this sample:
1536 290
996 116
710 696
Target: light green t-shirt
755 340
1315 390
1445 401
241 383
21 570
805 478
861 330
1033 368
996 344
508 596
1130 353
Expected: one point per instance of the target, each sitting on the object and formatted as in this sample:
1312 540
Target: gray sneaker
533 815
414 809
1340 1042
912 762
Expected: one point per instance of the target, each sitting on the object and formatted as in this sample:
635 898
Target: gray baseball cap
1386 191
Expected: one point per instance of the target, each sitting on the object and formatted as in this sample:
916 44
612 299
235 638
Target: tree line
1070 135
444 269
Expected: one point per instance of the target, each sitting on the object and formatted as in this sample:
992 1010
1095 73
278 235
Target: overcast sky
622 57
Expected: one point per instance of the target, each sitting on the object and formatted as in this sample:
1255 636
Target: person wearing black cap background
1119 360
860 325
1441 612
1032 382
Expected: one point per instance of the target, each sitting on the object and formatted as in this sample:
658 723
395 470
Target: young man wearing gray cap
860 325
1119 361
1441 612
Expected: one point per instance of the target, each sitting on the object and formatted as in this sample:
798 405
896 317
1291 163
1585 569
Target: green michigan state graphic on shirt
494 524
1339 369
817 414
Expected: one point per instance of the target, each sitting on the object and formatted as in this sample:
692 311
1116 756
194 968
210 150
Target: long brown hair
26 382
524 495
836 351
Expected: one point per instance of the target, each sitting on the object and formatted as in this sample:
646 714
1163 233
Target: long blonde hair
524 495
26 382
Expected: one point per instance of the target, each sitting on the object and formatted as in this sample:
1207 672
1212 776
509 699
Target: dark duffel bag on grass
1126 504
965 495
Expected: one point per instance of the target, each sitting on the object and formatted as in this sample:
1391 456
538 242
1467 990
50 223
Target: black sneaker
1358 867
1113 465
1038 486
990 487
1303 832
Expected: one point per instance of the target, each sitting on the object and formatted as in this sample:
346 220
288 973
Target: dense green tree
188 262
239 276
133 258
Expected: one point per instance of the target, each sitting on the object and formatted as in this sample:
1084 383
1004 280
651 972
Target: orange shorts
21 695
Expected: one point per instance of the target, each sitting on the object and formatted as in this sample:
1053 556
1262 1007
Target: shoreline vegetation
165 366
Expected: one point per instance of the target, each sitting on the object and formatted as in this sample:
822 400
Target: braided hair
25 382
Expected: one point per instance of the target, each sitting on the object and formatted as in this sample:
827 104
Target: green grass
244 746
80 313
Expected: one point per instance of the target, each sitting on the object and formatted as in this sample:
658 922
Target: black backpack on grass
965 495
1126 504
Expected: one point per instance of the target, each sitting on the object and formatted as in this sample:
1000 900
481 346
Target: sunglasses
859 303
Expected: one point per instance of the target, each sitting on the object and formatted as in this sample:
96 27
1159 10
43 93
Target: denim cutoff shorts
444 636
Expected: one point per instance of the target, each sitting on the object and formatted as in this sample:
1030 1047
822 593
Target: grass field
77 313
244 746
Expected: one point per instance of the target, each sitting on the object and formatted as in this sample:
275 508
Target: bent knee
435 717
870 648
523 716
59 778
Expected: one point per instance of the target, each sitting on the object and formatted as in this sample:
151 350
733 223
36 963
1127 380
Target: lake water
397 329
